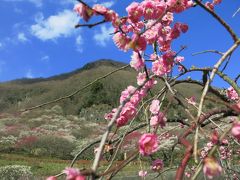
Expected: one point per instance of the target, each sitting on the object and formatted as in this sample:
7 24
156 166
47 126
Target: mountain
24 93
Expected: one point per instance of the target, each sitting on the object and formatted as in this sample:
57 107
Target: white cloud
1 45
21 37
45 58
108 4
29 74
37 3
79 43
103 36
79 40
60 25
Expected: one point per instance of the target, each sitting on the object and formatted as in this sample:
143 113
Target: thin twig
215 69
208 51
238 10
90 25
75 92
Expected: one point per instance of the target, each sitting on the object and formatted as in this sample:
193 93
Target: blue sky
37 38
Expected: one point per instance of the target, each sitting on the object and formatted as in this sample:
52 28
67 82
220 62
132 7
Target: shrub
54 146
16 172
7 143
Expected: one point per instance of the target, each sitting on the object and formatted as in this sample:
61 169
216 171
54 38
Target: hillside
60 130
24 93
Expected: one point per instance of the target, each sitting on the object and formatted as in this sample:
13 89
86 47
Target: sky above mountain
38 38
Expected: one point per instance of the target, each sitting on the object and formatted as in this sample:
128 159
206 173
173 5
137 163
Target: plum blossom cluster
71 174
205 150
236 130
225 152
158 118
87 12
142 174
232 94
148 22
212 4
129 110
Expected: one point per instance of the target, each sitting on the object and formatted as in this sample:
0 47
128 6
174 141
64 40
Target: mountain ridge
87 66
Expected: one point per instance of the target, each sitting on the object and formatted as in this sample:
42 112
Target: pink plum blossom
109 116
154 107
151 36
151 82
137 62
154 121
85 12
51 178
148 144
191 100
187 174
158 119
152 9
179 59
209 5
236 129
167 18
141 78
71 173
211 167
138 43
80 178
177 29
148 85
135 98
232 94
134 11
178 6
108 14
215 2
160 67
142 173
121 41
100 9
215 137
128 111
126 93
121 121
